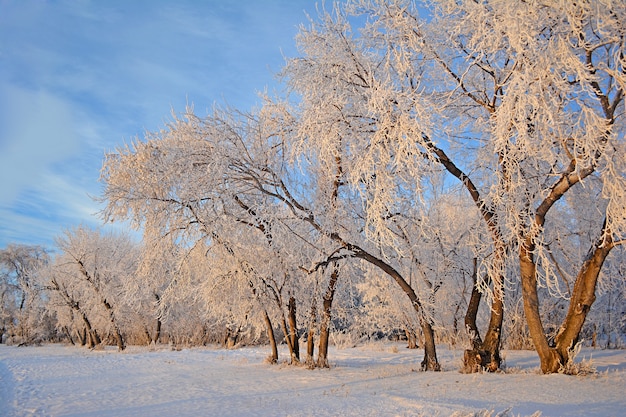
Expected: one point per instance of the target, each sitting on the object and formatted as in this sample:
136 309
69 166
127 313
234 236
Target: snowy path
58 380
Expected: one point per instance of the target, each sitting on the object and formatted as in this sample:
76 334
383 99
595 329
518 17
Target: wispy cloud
78 78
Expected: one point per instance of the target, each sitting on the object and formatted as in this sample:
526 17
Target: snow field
375 380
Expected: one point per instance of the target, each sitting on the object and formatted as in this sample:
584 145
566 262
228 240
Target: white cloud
36 130
79 78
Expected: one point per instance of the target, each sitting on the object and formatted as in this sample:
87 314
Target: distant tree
87 278
22 318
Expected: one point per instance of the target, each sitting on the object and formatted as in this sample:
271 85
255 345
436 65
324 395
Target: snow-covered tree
522 103
201 181
22 313
86 281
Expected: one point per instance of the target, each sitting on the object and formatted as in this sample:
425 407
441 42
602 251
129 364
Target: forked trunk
93 339
119 339
485 354
92 336
583 296
82 336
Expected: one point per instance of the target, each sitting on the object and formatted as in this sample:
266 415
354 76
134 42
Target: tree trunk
491 345
157 333
310 341
271 337
119 339
293 329
484 354
549 358
82 336
67 332
582 298
93 338
430 362
411 338
472 311
322 354
146 334
286 334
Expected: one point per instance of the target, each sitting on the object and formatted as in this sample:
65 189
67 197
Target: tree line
446 173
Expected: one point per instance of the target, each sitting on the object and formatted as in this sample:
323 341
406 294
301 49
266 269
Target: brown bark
271 337
550 362
430 356
119 339
485 354
293 329
310 341
286 334
157 333
93 338
583 297
322 355
430 362
472 311
488 350
411 338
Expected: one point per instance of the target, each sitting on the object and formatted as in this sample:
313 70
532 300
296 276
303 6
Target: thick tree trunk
549 358
470 319
271 337
93 339
491 345
583 297
430 362
322 355
293 329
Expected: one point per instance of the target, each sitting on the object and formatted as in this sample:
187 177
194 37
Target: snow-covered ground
375 380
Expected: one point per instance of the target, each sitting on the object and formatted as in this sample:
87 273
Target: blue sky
80 77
